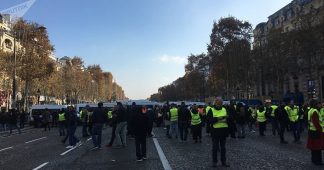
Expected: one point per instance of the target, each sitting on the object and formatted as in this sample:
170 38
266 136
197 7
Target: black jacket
141 123
281 115
121 115
184 115
99 116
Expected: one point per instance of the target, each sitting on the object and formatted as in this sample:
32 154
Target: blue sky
144 43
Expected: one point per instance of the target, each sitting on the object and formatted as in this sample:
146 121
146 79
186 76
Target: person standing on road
218 118
232 115
166 117
13 120
22 118
99 118
84 118
121 127
61 122
72 120
283 121
184 117
151 117
141 128
46 117
113 124
196 124
261 119
242 114
292 111
173 121
270 114
315 141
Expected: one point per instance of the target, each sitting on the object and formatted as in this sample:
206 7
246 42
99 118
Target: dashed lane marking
35 140
64 153
89 139
41 166
163 158
4 149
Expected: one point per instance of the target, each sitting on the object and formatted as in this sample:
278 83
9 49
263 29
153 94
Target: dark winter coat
141 123
184 115
99 116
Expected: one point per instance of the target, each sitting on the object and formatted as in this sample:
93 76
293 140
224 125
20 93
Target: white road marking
89 139
41 166
163 159
64 153
11 147
35 140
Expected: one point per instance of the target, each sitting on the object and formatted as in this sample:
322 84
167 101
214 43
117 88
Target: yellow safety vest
261 116
174 114
109 114
61 117
274 107
195 119
322 118
220 113
292 113
311 125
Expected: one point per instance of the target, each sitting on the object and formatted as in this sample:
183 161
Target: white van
35 115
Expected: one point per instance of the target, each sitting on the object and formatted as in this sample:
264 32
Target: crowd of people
13 119
220 121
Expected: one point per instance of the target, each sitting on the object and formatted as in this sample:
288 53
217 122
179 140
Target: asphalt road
35 148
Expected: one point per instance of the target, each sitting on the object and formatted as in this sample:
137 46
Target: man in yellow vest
174 121
217 118
261 119
84 114
270 112
292 111
61 122
196 124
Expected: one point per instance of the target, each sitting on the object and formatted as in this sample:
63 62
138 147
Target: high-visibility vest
253 112
109 114
311 125
261 117
207 109
221 123
274 107
61 117
292 113
322 118
195 119
174 114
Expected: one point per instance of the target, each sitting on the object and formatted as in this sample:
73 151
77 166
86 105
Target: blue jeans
174 128
72 139
121 133
96 134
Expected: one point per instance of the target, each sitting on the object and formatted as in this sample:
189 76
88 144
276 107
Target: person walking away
208 127
241 120
141 128
232 115
2 120
158 115
61 122
151 117
132 111
261 119
72 121
113 124
46 117
270 114
22 118
251 119
315 141
13 120
282 118
54 116
173 121
184 117
196 124
99 118
84 118
292 111
166 118
218 118
121 127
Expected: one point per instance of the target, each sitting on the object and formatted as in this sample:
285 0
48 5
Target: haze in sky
144 43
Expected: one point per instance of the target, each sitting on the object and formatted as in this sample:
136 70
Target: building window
8 43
